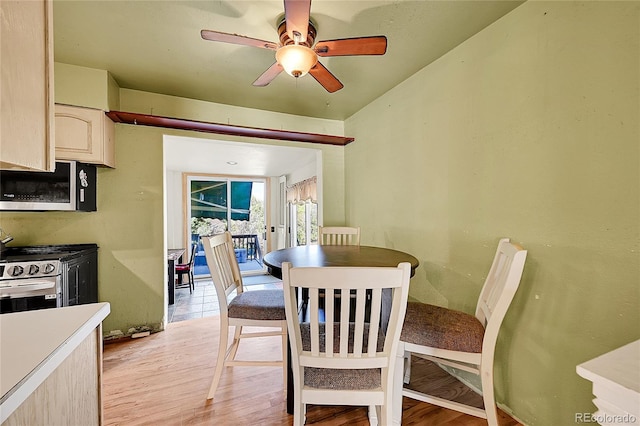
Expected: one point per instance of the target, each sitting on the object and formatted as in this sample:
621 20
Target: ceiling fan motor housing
285 40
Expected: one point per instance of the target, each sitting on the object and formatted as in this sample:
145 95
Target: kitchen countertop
34 344
616 384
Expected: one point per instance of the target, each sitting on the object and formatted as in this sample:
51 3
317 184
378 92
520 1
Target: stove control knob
49 268
17 270
33 269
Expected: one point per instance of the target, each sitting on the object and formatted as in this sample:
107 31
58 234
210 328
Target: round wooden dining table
319 255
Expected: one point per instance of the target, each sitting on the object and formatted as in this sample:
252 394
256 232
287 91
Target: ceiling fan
296 53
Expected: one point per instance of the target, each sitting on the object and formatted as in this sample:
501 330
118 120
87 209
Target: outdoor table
173 255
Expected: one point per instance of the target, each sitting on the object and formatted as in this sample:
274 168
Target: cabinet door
26 84
80 280
70 284
84 134
88 279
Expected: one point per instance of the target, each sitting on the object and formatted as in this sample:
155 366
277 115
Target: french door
217 204
304 223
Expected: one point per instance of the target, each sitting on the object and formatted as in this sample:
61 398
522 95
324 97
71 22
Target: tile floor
204 302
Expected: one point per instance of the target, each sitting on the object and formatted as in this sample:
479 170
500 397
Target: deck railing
251 244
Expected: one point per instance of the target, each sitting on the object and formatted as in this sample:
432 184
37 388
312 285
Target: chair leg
398 375
488 396
285 353
299 413
407 367
236 342
374 415
192 281
222 350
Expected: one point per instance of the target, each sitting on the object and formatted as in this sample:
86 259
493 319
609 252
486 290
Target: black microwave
72 186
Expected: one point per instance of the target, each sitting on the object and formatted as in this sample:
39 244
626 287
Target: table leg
290 396
172 278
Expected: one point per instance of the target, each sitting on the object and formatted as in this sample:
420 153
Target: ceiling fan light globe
296 60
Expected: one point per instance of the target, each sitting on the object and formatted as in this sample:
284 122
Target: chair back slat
223 265
344 325
375 319
501 283
344 314
194 248
358 336
314 304
329 304
339 236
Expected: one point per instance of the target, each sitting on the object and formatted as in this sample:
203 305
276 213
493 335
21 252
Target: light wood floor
163 379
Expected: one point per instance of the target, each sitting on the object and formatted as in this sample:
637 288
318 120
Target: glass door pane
305 223
237 205
208 200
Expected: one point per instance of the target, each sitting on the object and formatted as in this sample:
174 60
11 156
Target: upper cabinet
26 83
84 134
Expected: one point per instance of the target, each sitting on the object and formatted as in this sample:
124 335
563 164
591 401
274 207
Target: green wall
528 130
129 224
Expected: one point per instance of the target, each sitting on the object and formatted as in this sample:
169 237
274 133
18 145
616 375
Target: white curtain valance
302 191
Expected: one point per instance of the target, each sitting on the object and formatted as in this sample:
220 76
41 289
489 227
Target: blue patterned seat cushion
438 327
258 305
330 378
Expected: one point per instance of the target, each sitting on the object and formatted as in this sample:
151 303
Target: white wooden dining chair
337 360
255 308
460 340
339 236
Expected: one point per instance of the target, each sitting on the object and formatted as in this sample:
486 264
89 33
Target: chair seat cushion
258 305
331 378
340 379
438 327
183 267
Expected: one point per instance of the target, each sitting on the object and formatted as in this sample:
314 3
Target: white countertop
616 381
34 343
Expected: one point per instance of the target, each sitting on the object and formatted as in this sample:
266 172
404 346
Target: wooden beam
225 129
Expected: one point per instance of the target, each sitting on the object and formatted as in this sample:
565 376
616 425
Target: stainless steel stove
30 277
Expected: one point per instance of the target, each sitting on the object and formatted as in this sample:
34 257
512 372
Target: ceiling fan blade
325 78
296 14
375 45
267 76
237 39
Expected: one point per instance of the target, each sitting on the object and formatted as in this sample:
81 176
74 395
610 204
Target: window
304 223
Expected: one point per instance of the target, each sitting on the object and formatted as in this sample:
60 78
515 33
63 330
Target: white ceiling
184 154
155 46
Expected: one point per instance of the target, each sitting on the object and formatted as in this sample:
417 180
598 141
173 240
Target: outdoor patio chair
187 269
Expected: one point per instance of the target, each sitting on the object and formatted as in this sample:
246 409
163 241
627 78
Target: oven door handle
37 286
33 288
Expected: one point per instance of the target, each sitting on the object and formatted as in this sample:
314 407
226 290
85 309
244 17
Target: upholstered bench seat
438 327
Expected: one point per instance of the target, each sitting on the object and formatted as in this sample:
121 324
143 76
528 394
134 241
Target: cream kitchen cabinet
84 134
26 83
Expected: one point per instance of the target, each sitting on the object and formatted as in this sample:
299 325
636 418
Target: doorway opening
227 162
